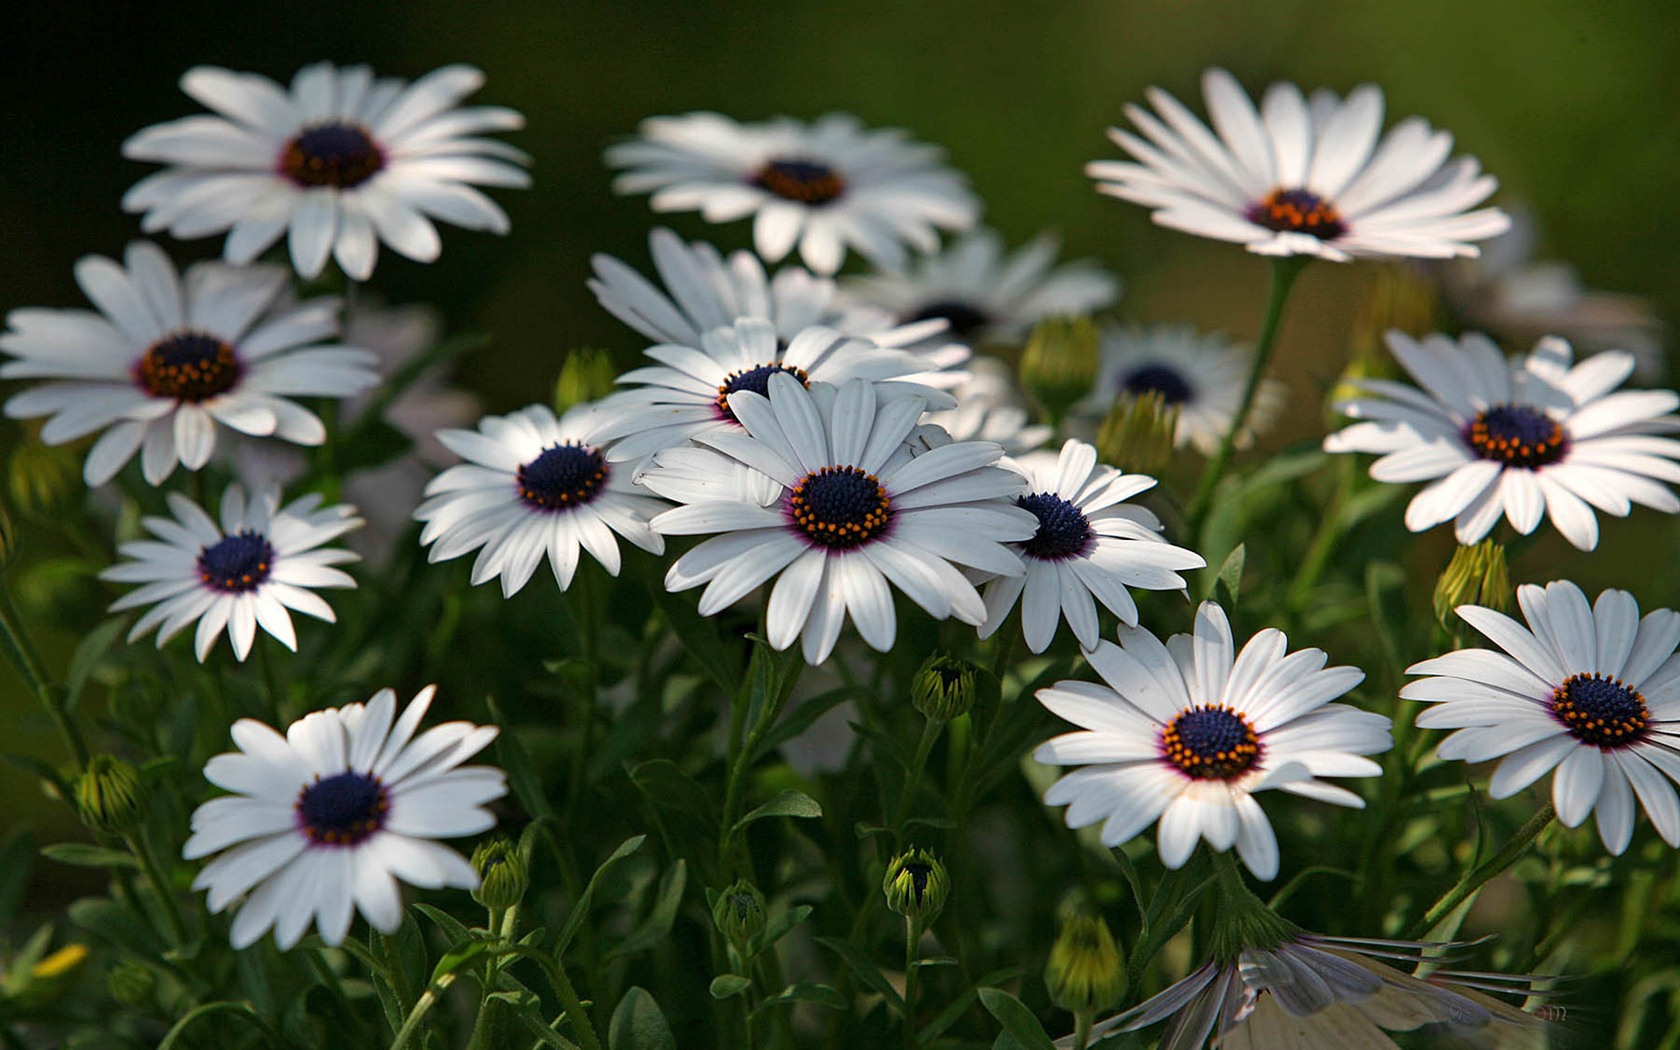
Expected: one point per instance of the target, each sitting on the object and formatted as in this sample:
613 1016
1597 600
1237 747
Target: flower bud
1477 575
944 688
502 878
1139 433
108 795
39 477
1084 974
739 913
586 375
916 885
1059 365
131 983
1401 300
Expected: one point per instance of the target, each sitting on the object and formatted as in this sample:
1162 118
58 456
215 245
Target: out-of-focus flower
825 186
337 164
988 409
1085 973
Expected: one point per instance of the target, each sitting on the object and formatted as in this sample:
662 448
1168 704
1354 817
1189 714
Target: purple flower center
237 563
562 477
797 179
188 366
964 320
755 379
1211 743
343 809
1298 211
840 507
1157 379
1063 530
1600 710
1517 436
337 155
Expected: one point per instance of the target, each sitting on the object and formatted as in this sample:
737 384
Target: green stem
1482 875
160 887
1082 1029
1284 272
21 651
912 938
913 777
1324 538
581 1024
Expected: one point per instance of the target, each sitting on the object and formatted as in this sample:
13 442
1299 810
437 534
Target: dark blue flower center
564 476
188 366
1211 743
1517 436
802 180
337 155
963 320
1600 710
1063 531
1298 211
840 507
755 379
1157 379
343 809
236 563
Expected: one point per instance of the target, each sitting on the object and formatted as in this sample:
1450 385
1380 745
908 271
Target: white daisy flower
986 294
853 514
241 574
533 485
1313 990
1088 548
1592 691
1202 375
686 395
1188 731
1301 176
1526 438
332 815
988 409
339 163
166 359
824 186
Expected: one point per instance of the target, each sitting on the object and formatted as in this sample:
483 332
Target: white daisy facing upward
168 359
686 395
1533 437
825 186
339 163
1301 176
1188 731
1088 548
239 574
533 485
325 820
1202 375
987 294
1592 692
854 515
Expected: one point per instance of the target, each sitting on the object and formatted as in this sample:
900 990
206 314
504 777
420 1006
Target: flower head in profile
169 359
337 164
1200 374
1530 438
327 819
1188 731
1301 176
820 489
1090 546
826 186
986 294
240 573
533 485
1589 693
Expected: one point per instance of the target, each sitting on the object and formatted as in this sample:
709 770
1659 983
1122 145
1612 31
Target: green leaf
454 931
779 925
802 717
638 1024
1016 1019
88 654
1385 594
671 791
458 957
1230 575
87 855
580 910
789 803
816 994
117 925
725 985
658 924
37 768
242 1011
17 860
545 1034
522 775
700 638
865 969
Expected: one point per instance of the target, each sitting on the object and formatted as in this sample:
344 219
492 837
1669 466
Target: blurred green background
1575 106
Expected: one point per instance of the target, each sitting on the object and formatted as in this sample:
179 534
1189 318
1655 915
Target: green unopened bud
586 375
39 477
1477 575
1139 433
944 688
108 795
916 885
131 983
1059 365
739 913
502 878
1084 974
1400 299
